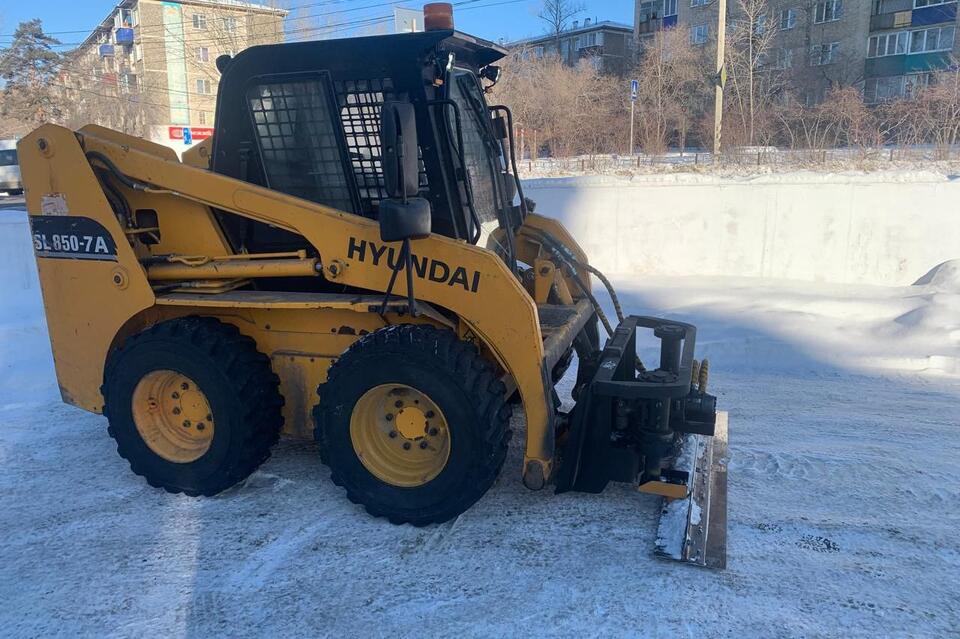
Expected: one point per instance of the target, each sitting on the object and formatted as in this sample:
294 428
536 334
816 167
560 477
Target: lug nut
184 386
434 432
393 434
209 417
423 445
406 445
430 414
389 417
399 404
186 423
176 410
175 395
201 426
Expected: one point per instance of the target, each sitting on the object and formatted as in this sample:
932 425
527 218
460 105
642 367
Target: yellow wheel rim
400 435
173 416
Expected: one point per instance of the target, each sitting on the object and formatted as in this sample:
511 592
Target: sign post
634 94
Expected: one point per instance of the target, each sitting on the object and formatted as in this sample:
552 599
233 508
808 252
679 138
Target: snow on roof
603 25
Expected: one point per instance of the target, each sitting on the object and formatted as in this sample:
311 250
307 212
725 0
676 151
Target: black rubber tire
462 384
242 390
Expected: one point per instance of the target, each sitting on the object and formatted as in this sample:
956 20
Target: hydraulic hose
610 290
596 305
566 257
120 175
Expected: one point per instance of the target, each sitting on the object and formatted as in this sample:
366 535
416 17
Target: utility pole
634 94
721 77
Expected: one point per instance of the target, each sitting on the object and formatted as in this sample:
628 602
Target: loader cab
304 119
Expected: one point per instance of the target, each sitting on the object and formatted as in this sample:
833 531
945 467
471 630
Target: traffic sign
634 90
187 136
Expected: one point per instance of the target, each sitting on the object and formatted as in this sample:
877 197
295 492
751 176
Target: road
843 494
11 202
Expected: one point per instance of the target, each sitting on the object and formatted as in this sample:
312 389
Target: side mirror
403 215
398 150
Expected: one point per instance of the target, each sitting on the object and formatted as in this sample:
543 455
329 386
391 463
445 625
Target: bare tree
568 110
752 80
673 89
557 14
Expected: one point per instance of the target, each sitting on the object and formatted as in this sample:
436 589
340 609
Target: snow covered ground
844 408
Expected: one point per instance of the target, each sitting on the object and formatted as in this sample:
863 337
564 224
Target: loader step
559 326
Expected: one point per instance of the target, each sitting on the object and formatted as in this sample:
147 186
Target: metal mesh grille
360 102
298 141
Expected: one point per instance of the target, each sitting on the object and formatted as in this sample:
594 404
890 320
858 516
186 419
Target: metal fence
765 157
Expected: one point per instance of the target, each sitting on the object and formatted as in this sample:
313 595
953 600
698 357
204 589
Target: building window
784 58
199 21
589 40
699 34
203 87
538 52
936 39
919 4
669 8
649 10
888 44
788 19
203 54
915 82
813 97
828 11
699 3
821 54
761 25
138 53
203 117
230 24
883 89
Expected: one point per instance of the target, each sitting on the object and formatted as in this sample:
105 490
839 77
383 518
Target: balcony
106 50
649 26
934 15
933 61
884 21
124 36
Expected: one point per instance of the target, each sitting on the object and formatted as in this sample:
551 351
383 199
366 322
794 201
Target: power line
185 23
211 39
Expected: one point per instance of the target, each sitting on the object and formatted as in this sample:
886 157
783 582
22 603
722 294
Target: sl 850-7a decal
72 238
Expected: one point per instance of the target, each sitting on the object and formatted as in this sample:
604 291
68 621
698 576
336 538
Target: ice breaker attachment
655 429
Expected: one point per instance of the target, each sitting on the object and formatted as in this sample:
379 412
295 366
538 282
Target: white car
10 168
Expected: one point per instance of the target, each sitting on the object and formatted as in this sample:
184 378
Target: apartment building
608 45
908 41
886 47
150 66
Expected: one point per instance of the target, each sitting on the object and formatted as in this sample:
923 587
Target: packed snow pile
942 277
884 228
808 328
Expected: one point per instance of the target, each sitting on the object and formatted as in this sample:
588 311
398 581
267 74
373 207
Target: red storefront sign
197 132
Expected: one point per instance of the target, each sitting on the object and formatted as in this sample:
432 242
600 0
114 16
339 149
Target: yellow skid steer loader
351 258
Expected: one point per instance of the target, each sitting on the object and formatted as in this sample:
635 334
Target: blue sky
509 20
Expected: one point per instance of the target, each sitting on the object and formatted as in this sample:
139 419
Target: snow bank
26 366
943 277
19 286
881 228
